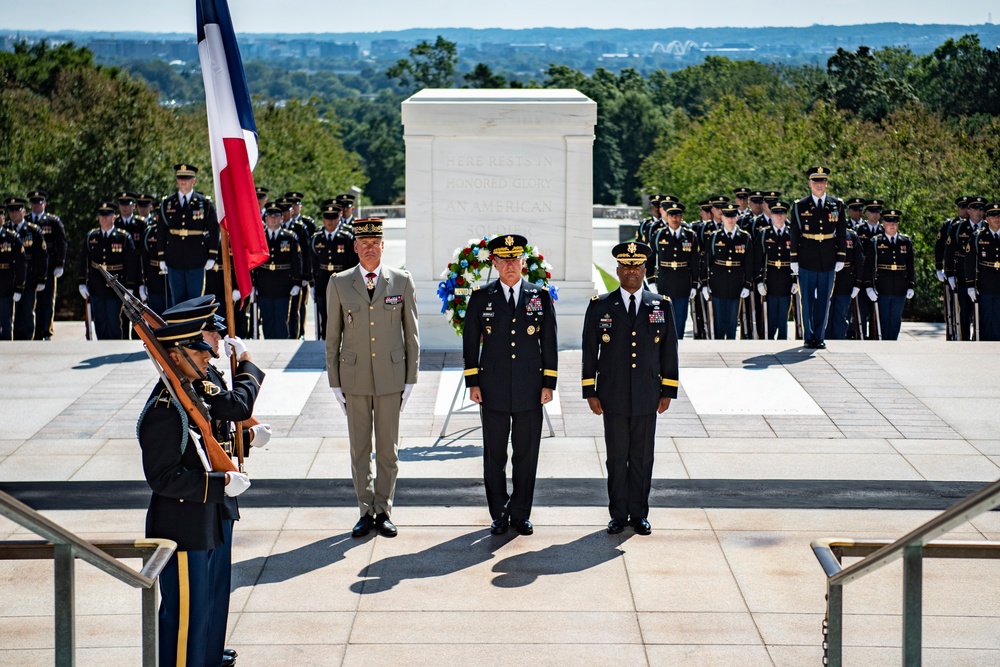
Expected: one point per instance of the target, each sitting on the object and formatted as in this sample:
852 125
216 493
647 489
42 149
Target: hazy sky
375 15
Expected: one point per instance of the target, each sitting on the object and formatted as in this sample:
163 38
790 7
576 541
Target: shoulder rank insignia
594 298
210 388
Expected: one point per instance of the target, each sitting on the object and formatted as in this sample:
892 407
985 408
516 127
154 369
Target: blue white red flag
232 133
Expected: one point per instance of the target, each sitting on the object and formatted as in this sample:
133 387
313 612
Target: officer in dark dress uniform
741 199
144 208
36 267
727 273
647 223
308 228
855 211
677 255
188 501
110 248
55 242
510 350
867 231
889 275
954 261
278 280
127 219
332 250
773 269
962 213
11 279
295 323
819 250
846 287
153 289
629 376
188 237
982 273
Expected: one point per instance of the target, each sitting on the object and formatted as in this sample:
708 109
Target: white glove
854 292
940 275
706 292
762 288
58 272
209 264
236 295
312 293
238 483
143 293
338 393
163 267
909 294
872 294
261 435
407 390
795 288
837 267
744 293
17 295
253 295
84 292
951 282
795 268
972 293
39 287
694 290
305 283
295 290
233 345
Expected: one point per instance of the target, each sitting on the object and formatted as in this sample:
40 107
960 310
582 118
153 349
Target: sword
693 307
256 318
949 318
799 324
859 332
89 320
956 310
878 322
975 310
763 312
710 325
753 315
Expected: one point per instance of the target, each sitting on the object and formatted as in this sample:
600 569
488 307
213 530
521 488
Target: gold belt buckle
894 267
996 265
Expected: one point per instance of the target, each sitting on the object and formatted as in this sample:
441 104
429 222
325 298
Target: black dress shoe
363 526
523 527
499 526
810 344
229 653
615 526
642 527
229 659
385 527
820 345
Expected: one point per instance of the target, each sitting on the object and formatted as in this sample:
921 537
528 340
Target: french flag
232 133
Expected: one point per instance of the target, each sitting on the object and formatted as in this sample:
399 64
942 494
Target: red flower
548 275
524 271
460 280
541 257
467 251
482 244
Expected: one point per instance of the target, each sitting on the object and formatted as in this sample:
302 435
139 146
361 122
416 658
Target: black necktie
631 308
510 298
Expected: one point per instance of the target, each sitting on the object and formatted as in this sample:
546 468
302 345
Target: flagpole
227 282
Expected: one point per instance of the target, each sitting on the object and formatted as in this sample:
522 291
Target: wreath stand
455 399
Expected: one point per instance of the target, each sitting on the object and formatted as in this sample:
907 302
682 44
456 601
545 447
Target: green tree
429 66
862 83
961 78
483 77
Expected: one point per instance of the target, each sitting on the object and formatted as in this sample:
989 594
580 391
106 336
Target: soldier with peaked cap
188 499
346 203
654 218
982 273
332 250
954 261
277 280
188 237
847 284
510 351
727 273
35 263
110 248
144 208
773 269
629 376
819 250
56 244
889 274
307 227
372 357
867 231
855 211
12 268
677 255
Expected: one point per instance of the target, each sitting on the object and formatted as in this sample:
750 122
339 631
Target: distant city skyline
318 16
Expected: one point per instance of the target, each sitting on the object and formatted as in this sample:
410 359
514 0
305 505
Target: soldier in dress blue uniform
855 211
188 501
144 208
55 242
12 268
36 267
296 323
346 202
727 273
308 228
819 250
654 218
846 287
868 230
510 350
278 280
773 268
629 376
153 289
332 250
982 273
954 261
741 199
889 275
677 255
110 248
127 218
188 237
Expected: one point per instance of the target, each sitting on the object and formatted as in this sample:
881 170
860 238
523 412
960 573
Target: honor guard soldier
654 217
346 203
36 267
982 274
819 250
144 208
188 237
153 289
855 211
846 288
278 280
962 213
511 376
629 376
889 276
727 275
769 199
55 241
187 504
677 254
332 250
296 323
756 208
954 261
127 219
867 231
308 227
262 200
12 268
775 283
741 198
110 248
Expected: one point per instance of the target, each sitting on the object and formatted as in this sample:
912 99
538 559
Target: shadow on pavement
277 568
576 556
110 359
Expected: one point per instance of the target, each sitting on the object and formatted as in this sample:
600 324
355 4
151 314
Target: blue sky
375 15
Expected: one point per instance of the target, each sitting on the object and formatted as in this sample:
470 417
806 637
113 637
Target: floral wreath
466 269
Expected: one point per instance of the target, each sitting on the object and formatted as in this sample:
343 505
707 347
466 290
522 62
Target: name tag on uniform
604 322
902 249
394 300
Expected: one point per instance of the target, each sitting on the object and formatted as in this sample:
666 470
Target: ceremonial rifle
89 320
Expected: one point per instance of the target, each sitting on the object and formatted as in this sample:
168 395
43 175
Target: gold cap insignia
631 248
509 241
